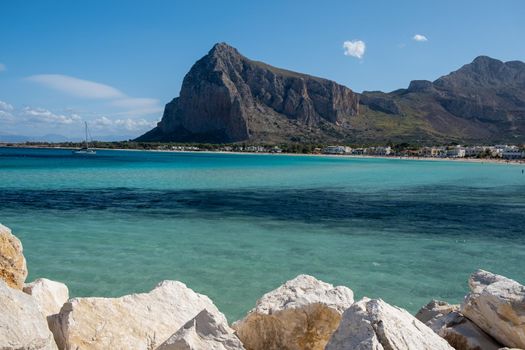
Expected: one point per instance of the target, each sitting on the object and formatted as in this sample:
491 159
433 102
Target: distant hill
55 138
483 101
227 97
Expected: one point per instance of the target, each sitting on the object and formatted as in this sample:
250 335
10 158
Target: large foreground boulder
372 324
49 295
302 314
133 322
13 268
497 305
22 325
206 331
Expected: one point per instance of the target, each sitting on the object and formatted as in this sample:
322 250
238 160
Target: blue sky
116 63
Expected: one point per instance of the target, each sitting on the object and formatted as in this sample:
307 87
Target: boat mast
86 142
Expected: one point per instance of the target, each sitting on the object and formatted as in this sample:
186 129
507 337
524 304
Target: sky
115 64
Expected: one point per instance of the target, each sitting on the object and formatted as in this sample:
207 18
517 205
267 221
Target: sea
235 226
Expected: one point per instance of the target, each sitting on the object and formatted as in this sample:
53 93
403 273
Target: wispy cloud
131 106
4 106
129 124
68 121
2 67
354 48
77 87
103 122
41 115
419 37
6 111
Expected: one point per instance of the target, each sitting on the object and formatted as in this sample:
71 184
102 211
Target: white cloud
135 124
4 106
68 122
41 115
132 106
103 122
6 111
77 87
2 67
419 37
129 124
354 48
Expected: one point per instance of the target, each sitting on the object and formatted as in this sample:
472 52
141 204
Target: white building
474 151
383 151
456 152
337 150
512 152
497 150
438 152
255 149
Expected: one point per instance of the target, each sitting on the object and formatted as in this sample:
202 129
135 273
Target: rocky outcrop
227 97
301 314
22 325
13 268
49 295
497 305
138 321
420 86
446 321
462 333
208 331
485 100
435 309
375 325
381 102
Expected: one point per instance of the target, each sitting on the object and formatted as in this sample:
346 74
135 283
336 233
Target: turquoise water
236 226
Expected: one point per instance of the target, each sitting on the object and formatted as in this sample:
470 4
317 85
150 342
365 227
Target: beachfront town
510 152
502 152
458 151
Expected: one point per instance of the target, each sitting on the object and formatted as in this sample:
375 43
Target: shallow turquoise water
236 226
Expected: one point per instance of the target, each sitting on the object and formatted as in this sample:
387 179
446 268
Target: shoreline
344 156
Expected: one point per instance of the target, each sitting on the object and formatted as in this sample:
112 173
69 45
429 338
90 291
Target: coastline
344 156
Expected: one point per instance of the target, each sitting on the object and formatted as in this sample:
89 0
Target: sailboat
85 150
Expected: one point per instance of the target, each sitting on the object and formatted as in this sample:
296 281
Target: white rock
49 295
462 333
13 268
497 305
435 309
446 321
375 325
301 314
133 322
206 331
22 325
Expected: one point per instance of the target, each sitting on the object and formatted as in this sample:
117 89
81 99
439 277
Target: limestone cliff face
226 97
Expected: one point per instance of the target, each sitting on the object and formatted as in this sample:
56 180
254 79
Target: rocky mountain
483 101
227 97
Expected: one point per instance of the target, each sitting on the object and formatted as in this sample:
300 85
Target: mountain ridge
227 97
